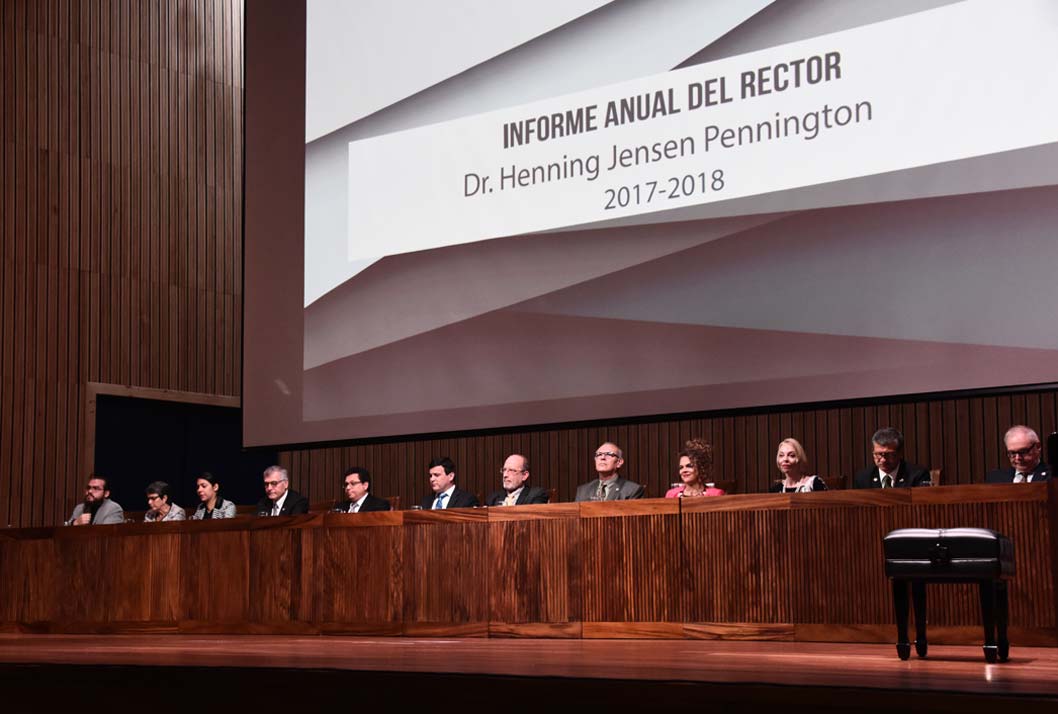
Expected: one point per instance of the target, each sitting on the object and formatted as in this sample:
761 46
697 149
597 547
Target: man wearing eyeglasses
609 486
1024 452
357 487
280 499
97 509
515 473
890 470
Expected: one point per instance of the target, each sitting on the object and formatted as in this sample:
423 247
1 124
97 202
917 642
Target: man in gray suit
97 509
609 486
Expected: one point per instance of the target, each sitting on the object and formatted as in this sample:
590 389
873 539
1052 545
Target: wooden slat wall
120 220
961 436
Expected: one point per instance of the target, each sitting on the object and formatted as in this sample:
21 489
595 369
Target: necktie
356 508
509 501
887 481
600 493
275 508
1019 478
439 503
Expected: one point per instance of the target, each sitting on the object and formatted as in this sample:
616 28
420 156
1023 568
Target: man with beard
97 509
515 473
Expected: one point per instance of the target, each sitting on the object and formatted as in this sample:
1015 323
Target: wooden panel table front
763 566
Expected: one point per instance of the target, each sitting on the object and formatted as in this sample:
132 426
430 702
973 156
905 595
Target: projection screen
480 214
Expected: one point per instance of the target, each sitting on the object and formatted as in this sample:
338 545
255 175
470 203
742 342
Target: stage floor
1030 675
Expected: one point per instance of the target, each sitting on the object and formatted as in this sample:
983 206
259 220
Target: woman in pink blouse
696 461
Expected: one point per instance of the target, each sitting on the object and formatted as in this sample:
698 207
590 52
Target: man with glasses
1024 452
357 486
890 470
280 499
97 509
609 486
515 473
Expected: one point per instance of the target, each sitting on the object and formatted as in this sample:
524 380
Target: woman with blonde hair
793 464
696 461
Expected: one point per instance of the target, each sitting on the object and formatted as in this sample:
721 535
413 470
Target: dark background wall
143 440
120 220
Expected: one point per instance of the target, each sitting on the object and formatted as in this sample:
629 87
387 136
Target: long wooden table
764 567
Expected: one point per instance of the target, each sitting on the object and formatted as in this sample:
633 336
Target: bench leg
918 599
988 618
1002 613
901 605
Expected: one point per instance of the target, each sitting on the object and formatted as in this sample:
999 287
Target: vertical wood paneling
963 437
120 160
357 583
795 567
446 571
623 579
120 222
534 559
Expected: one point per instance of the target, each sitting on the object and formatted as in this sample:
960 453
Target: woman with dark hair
793 465
696 461
212 506
160 505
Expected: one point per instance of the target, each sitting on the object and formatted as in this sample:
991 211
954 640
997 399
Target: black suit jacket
1042 472
529 494
295 505
907 476
458 499
371 503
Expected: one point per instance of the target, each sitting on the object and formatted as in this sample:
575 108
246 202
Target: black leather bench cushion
949 553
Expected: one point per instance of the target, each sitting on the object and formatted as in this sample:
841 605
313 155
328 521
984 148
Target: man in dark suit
515 473
280 499
443 484
1024 452
357 487
609 486
890 470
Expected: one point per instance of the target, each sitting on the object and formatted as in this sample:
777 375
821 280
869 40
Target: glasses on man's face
606 455
884 455
153 498
504 472
272 484
353 483
1022 452
93 488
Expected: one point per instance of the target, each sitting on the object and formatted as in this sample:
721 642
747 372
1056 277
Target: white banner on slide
958 81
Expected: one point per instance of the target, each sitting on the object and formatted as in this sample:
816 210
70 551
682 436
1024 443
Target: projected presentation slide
520 213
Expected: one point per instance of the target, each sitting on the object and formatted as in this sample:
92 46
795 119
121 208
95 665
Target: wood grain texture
357 584
616 674
120 264
534 558
446 571
631 567
121 190
784 566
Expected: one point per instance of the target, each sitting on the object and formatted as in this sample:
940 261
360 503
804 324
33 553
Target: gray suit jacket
109 512
624 490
